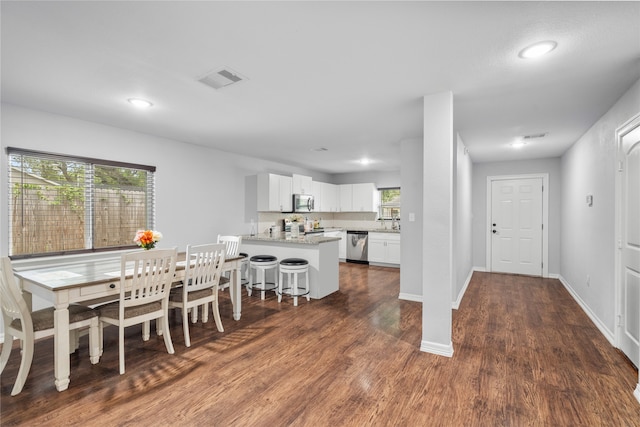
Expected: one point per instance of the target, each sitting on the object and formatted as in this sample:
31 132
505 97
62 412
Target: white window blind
62 204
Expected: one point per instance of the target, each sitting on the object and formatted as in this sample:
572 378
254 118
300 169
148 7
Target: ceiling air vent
222 77
534 136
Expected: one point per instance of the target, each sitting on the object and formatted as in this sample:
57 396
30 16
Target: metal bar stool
294 267
262 263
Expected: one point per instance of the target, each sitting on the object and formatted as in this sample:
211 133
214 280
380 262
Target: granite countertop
370 230
286 238
383 230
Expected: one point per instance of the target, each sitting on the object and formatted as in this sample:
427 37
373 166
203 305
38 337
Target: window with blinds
62 204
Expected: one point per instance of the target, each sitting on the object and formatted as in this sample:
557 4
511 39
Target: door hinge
620 166
542 226
619 244
543 188
619 320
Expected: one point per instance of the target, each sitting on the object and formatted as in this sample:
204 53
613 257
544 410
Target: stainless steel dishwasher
357 246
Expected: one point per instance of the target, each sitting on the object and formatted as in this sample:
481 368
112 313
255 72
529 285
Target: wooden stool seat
293 267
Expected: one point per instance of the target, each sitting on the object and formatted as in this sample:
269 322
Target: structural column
438 173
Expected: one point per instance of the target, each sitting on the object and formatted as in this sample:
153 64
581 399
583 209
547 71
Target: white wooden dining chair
232 244
151 274
20 323
200 287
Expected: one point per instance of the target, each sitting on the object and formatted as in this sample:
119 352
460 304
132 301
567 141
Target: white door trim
545 217
627 127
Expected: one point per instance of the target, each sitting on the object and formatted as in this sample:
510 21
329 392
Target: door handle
495 231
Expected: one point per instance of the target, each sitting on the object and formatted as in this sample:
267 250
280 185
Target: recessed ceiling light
140 103
518 144
365 161
538 49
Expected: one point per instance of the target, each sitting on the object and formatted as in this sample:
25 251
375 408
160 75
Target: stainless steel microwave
302 203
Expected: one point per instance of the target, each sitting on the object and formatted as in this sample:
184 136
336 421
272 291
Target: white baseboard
457 302
636 392
410 297
554 276
454 304
596 321
480 269
2 338
436 348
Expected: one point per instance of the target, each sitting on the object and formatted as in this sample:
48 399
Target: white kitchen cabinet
364 196
316 192
302 184
274 193
345 192
342 245
329 197
384 248
358 198
286 202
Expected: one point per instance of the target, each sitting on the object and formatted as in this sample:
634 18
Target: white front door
516 226
629 244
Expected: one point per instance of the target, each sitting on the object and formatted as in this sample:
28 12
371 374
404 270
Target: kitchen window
389 203
62 204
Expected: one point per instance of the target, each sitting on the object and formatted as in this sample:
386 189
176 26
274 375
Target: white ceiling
346 76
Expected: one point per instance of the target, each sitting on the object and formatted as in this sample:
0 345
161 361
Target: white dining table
91 281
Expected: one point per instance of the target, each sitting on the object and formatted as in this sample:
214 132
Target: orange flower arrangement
147 239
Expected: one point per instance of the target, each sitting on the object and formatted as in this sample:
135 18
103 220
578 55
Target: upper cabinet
364 197
274 193
345 193
302 184
316 192
358 198
330 198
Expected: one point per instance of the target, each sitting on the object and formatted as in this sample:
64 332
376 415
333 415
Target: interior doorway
628 240
517 214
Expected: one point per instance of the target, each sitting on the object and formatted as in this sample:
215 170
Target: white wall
201 192
480 173
588 233
463 236
411 231
380 179
411 243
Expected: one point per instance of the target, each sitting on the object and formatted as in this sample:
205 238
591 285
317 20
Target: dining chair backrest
27 326
232 243
151 271
13 304
205 266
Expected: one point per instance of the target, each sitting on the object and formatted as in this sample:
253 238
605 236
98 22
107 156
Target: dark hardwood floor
525 354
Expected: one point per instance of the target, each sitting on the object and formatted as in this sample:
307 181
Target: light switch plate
412 217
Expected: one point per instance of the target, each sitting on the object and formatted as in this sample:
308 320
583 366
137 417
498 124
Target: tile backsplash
327 219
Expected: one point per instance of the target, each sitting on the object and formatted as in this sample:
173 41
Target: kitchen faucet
395 224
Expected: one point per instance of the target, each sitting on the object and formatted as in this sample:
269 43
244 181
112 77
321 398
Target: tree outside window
60 204
389 203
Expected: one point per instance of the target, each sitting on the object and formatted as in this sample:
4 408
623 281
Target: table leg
236 291
61 344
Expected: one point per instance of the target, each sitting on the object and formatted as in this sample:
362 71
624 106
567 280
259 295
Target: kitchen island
320 251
